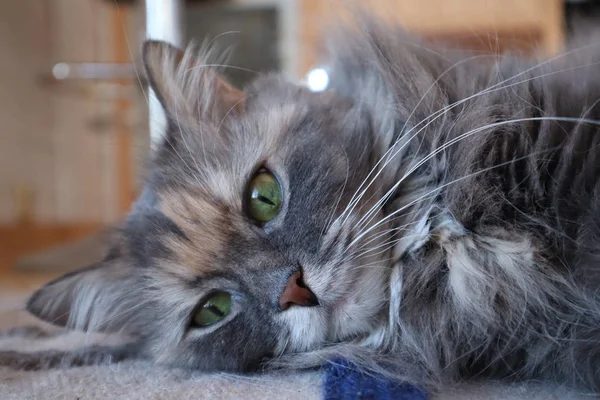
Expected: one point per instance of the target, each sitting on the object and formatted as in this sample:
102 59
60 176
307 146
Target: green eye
214 309
265 197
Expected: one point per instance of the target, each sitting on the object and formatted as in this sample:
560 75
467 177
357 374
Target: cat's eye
215 308
265 197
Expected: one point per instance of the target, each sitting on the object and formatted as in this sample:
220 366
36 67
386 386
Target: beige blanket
141 380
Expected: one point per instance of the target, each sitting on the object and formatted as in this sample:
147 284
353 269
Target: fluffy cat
431 216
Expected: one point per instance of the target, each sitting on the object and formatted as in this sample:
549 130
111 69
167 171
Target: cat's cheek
358 312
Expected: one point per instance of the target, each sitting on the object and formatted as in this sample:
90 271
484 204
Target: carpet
142 380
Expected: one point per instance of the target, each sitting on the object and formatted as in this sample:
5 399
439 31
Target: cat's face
248 239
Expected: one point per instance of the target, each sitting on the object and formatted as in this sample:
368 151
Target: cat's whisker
396 239
375 264
495 87
128 44
200 133
59 317
182 134
376 236
364 246
430 194
120 314
535 222
174 147
477 130
206 50
353 202
388 245
195 67
244 98
442 111
434 191
220 35
330 220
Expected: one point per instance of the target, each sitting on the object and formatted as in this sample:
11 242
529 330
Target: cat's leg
48 359
29 331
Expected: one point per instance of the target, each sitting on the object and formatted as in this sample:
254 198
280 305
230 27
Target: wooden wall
525 24
62 178
26 137
49 146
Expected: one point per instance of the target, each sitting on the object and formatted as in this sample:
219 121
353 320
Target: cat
432 216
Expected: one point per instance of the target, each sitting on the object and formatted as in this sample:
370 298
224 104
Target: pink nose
296 292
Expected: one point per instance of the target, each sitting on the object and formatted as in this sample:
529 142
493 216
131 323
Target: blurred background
74 120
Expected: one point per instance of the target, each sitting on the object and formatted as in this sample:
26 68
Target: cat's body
502 273
444 211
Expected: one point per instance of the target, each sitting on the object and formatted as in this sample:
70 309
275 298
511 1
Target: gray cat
431 216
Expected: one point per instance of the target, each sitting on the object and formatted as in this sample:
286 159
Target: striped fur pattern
444 209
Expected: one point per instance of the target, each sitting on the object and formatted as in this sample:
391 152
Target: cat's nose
296 292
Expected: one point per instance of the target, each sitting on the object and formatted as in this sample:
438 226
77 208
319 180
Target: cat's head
255 234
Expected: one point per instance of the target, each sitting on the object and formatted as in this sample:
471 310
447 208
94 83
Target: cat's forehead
202 182
270 132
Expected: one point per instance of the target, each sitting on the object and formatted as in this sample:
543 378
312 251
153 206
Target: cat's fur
444 210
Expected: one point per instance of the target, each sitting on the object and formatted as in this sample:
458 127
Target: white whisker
353 201
442 111
434 191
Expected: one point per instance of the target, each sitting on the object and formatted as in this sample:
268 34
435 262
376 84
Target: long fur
444 209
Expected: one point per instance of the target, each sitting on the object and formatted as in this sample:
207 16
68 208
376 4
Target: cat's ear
98 298
187 85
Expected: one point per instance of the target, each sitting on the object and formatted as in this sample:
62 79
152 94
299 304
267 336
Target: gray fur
42 360
444 209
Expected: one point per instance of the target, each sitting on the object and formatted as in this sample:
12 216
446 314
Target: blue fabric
344 381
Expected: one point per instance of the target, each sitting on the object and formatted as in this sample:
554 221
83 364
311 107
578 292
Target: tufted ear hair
99 298
186 84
